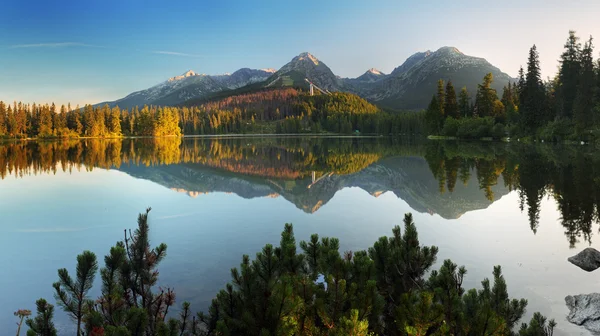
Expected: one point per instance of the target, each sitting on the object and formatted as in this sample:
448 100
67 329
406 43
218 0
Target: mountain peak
375 72
308 57
452 50
189 73
269 70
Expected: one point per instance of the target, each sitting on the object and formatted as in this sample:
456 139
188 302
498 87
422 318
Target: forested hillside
279 110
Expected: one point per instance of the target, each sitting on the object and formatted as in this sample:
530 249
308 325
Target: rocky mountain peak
189 73
375 72
449 50
305 56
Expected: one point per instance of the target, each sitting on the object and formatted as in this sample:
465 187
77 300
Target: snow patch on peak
269 70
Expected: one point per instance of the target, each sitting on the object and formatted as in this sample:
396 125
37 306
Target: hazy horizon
82 52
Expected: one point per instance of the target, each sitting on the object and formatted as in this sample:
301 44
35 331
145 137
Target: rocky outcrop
585 311
587 260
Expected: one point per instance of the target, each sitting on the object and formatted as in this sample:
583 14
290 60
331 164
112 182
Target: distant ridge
409 86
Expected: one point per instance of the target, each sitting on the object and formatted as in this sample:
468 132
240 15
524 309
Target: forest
285 110
564 108
306 288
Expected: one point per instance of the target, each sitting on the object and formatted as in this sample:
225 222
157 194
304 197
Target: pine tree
403 257
115 121
584 101
71 294
569 74
441 98
140 276
3 119
464 106
42 324
433 117
486 97
451 108
532 101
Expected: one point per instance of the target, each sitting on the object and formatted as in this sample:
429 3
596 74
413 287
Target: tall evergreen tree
586 89
486 97
464 105
451 108
520 85
433 117
441 98
569 74
532 102
3 119
115 121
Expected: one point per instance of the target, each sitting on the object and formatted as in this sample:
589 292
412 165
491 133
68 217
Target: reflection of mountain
409 178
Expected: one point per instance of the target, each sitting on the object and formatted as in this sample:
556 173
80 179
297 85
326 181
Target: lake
524 207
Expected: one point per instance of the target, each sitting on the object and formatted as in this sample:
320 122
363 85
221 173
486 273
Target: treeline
566 107
319 291
287 110
44 121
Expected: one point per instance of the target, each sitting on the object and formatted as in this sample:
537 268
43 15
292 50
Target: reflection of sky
48 219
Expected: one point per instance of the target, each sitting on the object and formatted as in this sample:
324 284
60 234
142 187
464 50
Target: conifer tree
486 97
441 98
586 89
433 117
42 324
71 294
3 119
451 108
115 121
464 106
532 100
520 85
569 75
400 264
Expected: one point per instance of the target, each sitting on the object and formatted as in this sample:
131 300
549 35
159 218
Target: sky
93 51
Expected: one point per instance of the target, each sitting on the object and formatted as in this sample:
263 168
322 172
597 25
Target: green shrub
557 131
498 131
450 127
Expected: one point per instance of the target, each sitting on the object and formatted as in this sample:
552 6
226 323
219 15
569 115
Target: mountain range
408 87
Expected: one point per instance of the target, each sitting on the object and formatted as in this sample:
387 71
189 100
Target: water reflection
445 178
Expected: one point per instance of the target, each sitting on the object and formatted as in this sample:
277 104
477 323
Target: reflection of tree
570 175
452 166
274 158
576 193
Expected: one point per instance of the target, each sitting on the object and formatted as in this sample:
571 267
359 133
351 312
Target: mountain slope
411 85
304 66
190 85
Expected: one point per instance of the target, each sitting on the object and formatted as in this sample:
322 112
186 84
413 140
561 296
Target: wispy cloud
174 53
53 45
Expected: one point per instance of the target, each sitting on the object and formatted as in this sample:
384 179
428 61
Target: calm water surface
527 208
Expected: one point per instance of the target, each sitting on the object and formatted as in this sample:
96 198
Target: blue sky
91 51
